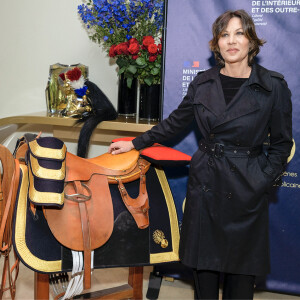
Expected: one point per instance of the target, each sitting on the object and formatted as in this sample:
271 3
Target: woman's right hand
120 147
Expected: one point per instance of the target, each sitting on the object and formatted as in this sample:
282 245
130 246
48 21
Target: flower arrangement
74 79
129 30
142 61
73 84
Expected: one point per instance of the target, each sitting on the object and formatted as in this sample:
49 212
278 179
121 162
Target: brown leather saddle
75 195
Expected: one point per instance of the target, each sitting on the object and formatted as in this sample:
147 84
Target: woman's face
234 46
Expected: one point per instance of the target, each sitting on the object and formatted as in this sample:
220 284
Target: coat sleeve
281 140
175 123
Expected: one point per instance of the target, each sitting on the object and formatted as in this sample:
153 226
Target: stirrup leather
138 207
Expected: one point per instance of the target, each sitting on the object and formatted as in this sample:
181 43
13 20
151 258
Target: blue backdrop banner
187 52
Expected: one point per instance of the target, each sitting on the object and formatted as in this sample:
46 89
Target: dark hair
220 25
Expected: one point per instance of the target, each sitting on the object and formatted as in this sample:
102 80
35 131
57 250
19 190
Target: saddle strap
6 222
6 233
9 271
85 226
138 207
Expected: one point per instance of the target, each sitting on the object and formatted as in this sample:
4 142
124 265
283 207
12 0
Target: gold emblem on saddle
159 238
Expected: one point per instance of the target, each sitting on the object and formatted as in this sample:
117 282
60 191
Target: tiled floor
106 278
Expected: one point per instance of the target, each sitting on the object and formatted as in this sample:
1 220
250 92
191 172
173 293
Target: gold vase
56 96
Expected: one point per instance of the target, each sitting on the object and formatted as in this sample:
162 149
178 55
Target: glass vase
149 105
127 97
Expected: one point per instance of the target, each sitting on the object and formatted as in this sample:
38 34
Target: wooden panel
41 286
135 279
120 292
130 124
132 290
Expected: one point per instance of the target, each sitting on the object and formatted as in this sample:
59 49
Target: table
67 129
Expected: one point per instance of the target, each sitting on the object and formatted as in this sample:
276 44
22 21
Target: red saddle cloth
161 155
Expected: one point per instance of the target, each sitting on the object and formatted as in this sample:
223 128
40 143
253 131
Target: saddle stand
132 290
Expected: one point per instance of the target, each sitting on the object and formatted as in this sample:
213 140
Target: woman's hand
120 147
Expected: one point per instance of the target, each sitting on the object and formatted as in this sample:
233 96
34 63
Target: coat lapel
246 100
243 103
210 93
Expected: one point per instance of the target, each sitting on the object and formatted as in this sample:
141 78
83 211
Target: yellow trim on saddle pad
45 173
43 198
44 152
173 255
20 229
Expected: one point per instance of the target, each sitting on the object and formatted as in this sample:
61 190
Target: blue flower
115 21
81 92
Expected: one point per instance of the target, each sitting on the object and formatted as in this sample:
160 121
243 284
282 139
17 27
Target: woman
236 104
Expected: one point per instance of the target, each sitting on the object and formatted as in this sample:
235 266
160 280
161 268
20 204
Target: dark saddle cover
44 232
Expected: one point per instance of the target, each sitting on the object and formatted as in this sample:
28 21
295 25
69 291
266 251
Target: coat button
256 88
203 109
229 195
211 136
232 168
205 189
210 161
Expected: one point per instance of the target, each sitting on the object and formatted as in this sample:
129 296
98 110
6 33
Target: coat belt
218 150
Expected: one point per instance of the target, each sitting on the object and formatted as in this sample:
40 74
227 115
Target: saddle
75 195
62 199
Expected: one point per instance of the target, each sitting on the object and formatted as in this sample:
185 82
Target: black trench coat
225 223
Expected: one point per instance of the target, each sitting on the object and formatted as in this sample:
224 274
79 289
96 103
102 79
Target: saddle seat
123 161
106 164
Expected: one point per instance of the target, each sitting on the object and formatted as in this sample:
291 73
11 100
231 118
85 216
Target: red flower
134 48
152 49
134 57
133 41
122 48
159 48
116 50
62 76
112 52
147 40
74 74
152 58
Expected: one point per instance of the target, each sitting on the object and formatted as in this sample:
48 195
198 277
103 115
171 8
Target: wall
36 34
